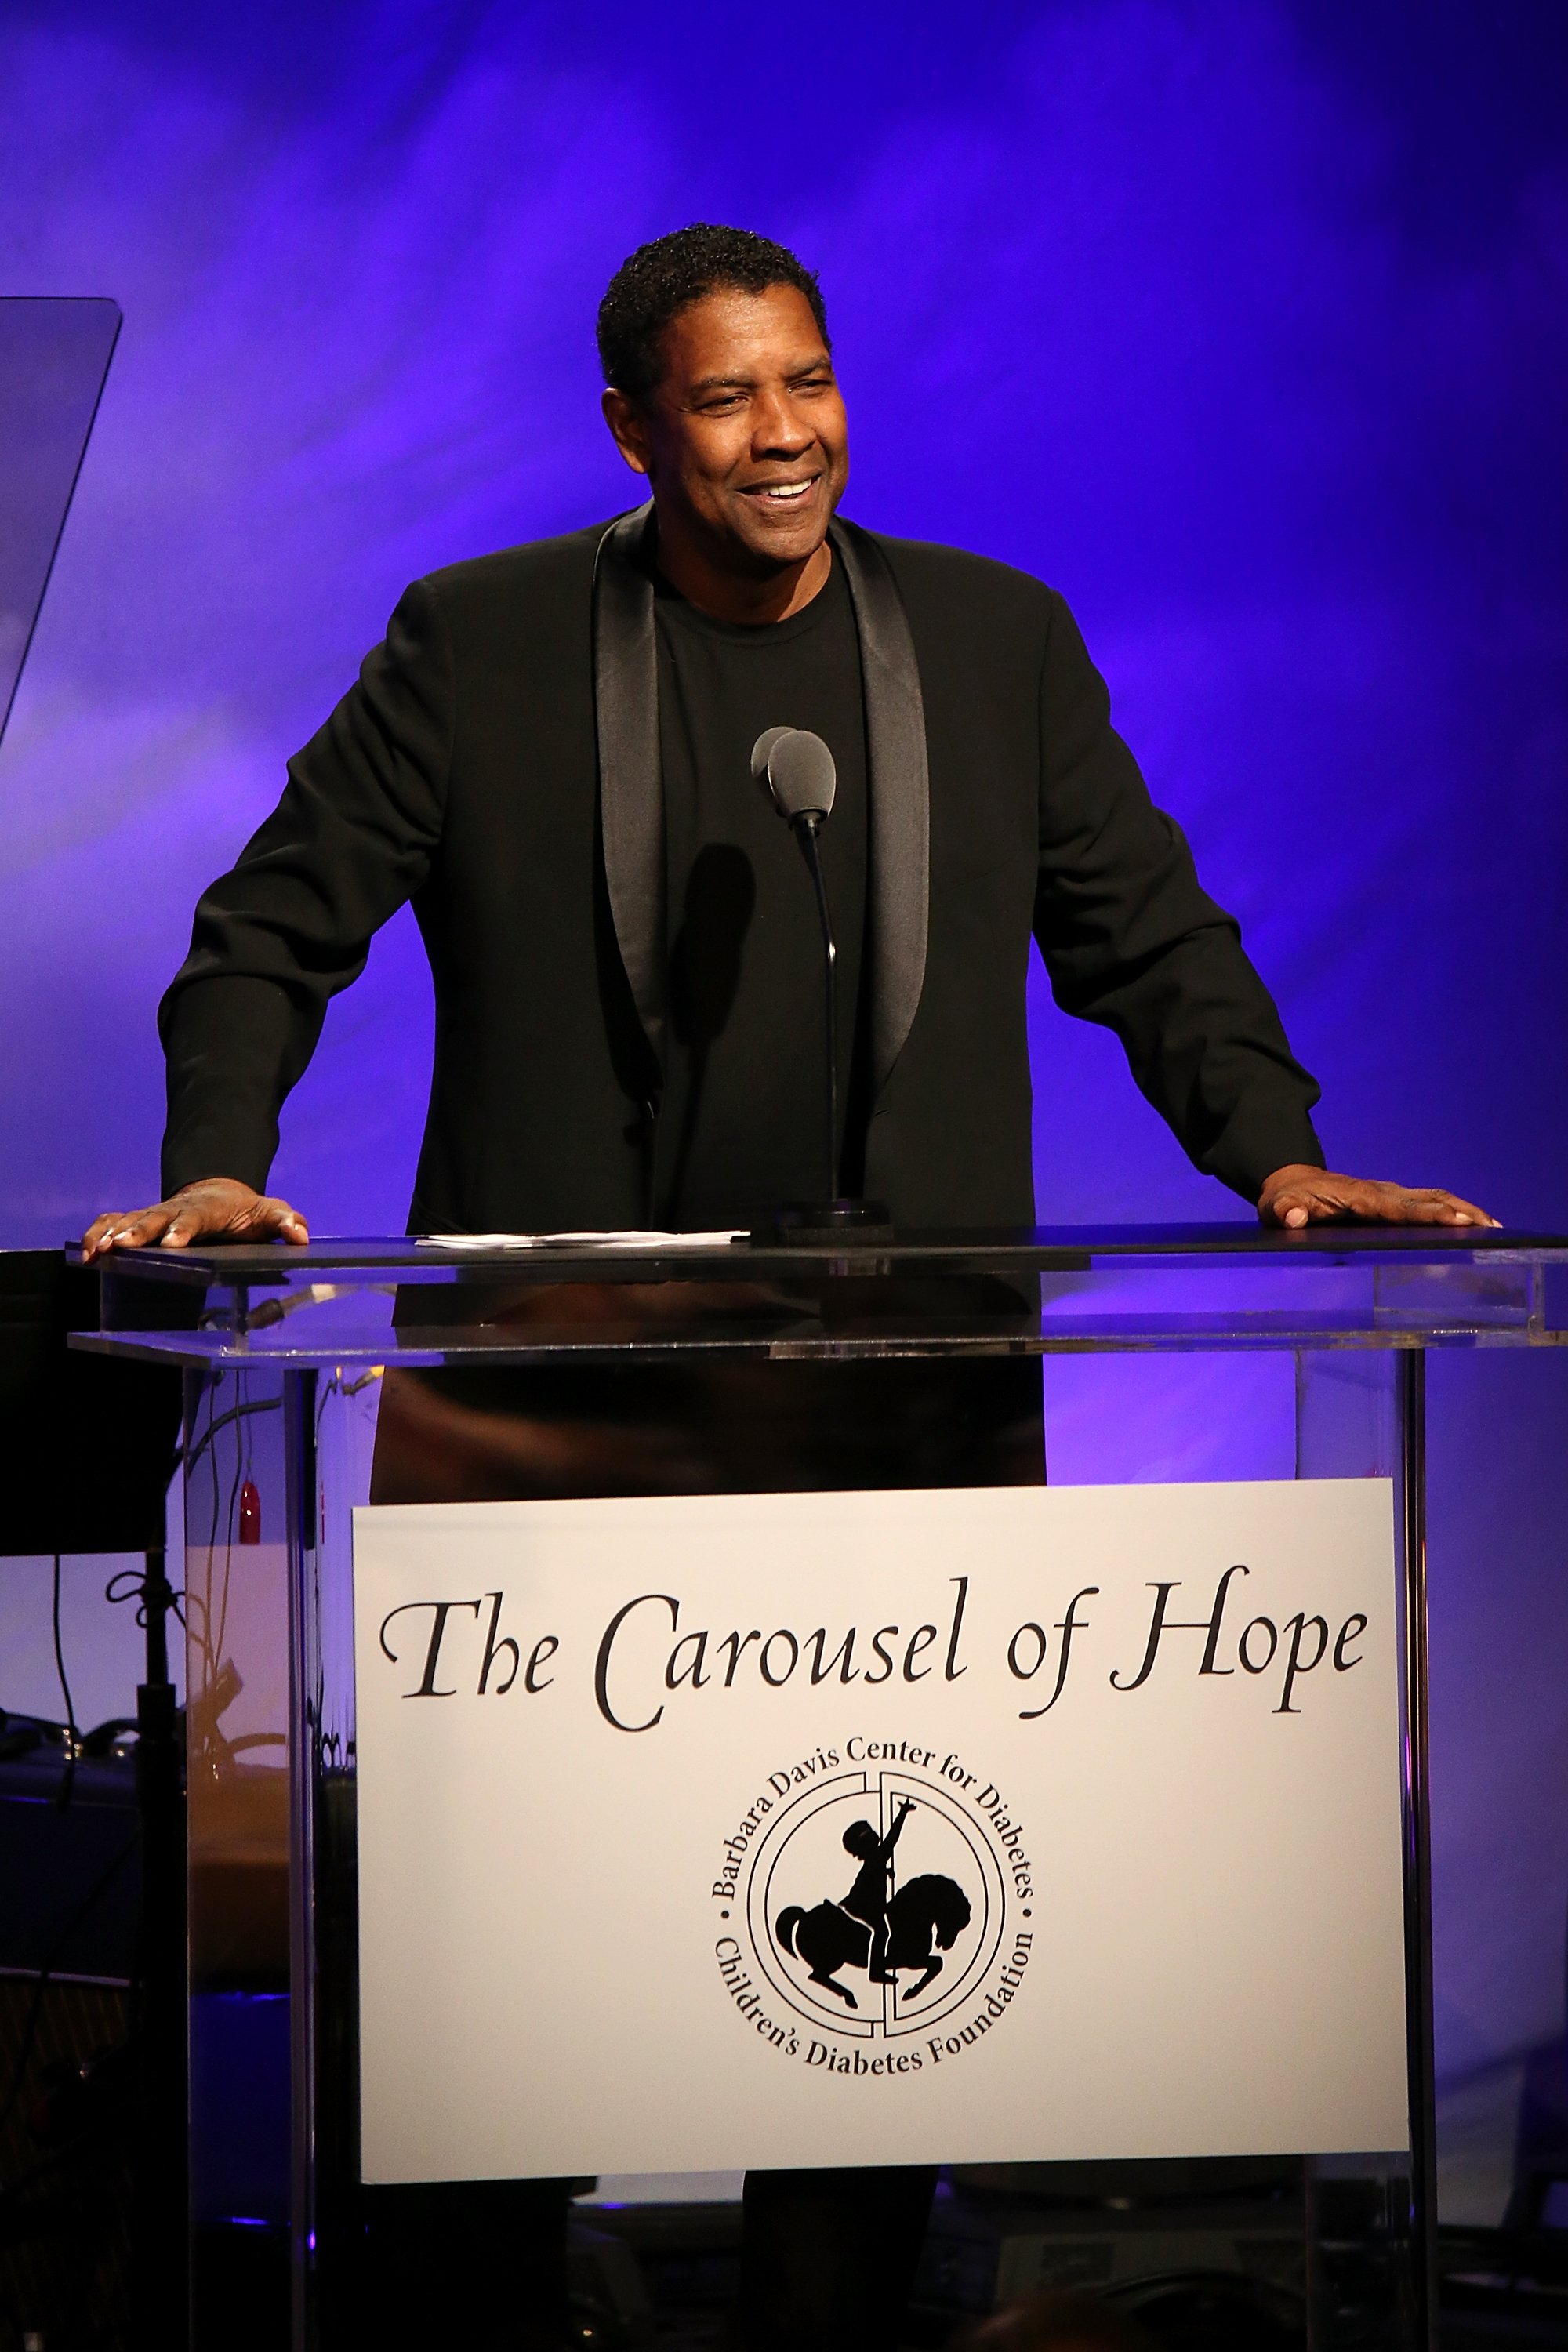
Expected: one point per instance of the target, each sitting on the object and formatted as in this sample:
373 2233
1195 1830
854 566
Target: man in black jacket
550 757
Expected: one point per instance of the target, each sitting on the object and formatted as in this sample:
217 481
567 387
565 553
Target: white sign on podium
961 1826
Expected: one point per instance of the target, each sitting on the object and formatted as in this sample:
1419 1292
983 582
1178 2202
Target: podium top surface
376 1301
1041 1249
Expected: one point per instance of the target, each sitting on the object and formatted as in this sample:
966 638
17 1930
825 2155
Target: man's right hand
217 1208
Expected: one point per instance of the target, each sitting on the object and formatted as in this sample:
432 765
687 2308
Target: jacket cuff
1259 1139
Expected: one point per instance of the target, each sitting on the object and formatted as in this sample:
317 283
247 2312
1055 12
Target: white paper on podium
628 1240
612 1757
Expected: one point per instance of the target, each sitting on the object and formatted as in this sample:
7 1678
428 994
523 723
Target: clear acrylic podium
319 1378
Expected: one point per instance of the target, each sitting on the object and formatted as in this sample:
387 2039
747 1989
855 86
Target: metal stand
831 1218
162 2313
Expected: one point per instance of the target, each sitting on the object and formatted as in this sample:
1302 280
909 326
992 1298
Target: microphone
796 769
797 772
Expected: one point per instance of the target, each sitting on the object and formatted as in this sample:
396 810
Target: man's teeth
786 489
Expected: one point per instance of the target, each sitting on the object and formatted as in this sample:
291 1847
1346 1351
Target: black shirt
742 1120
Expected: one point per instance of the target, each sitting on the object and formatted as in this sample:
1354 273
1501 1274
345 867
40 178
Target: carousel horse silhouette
871 1929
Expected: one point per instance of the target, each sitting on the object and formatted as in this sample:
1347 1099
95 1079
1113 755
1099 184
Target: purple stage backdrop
1242 322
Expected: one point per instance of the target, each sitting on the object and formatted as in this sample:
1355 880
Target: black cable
68 1778
59 1656
221 1420
214 1424
130 1584
196 1448
210 1634
233 1487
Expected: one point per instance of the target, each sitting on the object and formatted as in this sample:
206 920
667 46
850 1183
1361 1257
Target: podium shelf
1040 1292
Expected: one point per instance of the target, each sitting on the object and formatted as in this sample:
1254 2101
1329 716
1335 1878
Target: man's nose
778 428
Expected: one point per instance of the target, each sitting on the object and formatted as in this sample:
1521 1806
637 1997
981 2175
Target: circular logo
876 1899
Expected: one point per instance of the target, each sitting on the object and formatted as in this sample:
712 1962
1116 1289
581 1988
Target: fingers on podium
121 1230
274 1216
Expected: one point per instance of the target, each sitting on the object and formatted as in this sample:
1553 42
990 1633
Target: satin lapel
899 796
631 800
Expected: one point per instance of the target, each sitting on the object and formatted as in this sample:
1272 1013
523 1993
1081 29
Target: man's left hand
1300 1195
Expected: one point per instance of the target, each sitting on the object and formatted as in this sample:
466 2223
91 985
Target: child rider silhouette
868 1899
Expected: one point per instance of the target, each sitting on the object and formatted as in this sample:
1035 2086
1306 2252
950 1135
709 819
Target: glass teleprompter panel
54 359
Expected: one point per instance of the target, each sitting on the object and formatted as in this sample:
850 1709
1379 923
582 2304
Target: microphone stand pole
797 769
806 827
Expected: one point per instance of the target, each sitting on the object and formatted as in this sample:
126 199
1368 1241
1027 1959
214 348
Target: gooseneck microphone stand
805 828
795 768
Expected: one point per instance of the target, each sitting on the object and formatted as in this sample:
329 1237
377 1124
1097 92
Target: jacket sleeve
351 839
1131 940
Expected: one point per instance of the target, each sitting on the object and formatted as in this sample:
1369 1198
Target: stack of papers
627 1241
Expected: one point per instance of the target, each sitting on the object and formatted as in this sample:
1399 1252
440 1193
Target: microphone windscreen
802 777
761 750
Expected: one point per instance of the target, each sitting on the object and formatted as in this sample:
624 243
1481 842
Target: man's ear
625 421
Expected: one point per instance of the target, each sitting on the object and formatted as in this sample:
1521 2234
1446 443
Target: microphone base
808 1223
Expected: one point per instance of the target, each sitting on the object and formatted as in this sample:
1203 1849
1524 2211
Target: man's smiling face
745 441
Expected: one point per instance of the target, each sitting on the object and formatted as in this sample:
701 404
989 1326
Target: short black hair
660 281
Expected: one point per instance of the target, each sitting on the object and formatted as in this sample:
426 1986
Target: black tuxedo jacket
498 765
